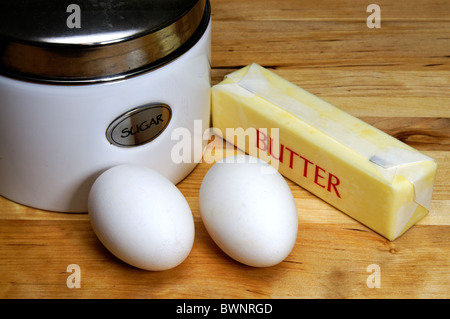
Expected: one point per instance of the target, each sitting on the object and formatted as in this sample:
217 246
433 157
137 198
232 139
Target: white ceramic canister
84 87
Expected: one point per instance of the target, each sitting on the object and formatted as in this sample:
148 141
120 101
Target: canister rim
116 54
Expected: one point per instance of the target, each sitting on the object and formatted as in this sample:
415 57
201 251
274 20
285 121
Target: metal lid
88 41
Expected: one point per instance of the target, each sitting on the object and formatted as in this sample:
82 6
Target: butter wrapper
369 175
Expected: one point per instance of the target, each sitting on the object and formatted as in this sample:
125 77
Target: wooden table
396 78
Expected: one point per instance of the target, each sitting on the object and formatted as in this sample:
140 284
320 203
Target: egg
141 217
249 211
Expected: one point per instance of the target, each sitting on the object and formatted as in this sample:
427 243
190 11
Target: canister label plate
139 125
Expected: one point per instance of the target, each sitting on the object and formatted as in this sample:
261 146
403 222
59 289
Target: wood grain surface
396 78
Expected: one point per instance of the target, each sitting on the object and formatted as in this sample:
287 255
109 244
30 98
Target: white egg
249 211
141 217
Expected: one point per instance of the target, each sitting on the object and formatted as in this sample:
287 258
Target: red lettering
333 184
291 160
280 157
259 139
305 169
317 175
319 172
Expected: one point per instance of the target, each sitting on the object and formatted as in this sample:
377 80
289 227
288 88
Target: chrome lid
89 41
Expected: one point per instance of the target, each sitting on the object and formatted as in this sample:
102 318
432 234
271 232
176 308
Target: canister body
53 137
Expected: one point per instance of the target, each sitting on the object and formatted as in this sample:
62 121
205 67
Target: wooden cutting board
396 77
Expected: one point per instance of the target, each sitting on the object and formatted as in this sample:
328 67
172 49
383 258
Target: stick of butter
364 172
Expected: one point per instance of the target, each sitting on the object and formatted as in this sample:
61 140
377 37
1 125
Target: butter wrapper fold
369 175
